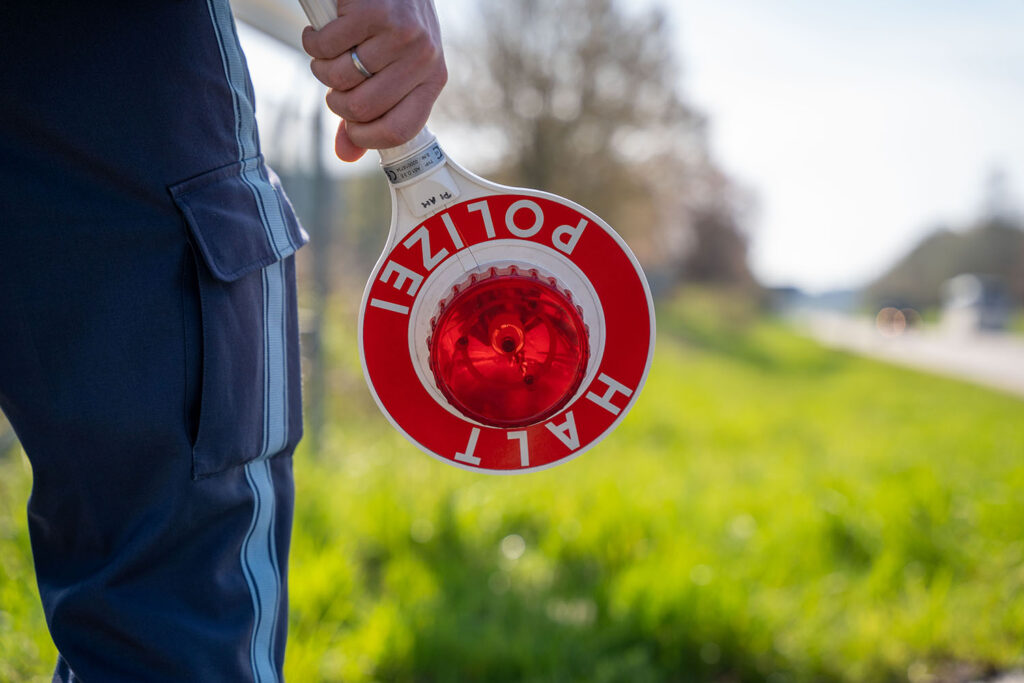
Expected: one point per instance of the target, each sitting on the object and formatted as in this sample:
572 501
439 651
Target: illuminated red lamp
509 348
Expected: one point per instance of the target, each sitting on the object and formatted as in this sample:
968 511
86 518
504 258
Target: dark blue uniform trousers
148 340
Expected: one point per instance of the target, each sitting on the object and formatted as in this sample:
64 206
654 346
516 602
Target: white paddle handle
322 12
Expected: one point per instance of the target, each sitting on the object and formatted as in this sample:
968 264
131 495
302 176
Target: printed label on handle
407 169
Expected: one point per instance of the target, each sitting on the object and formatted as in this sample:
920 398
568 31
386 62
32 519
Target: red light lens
509 349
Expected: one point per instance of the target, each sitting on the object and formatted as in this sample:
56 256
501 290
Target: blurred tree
584 97
997 202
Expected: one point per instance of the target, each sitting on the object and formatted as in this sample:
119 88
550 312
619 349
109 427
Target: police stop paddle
503 329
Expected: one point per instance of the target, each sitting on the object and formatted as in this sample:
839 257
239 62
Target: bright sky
858 126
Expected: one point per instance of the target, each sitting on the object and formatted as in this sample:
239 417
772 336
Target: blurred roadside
994 359
951 305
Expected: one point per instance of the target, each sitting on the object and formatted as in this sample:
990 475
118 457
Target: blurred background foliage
770 511
583 98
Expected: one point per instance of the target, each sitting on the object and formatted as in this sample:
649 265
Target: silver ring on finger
360 67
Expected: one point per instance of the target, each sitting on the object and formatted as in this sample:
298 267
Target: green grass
769 511
26 653
1017 323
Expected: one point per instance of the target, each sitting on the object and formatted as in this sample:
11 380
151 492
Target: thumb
344 147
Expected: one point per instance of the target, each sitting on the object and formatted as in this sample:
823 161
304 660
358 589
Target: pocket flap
240 218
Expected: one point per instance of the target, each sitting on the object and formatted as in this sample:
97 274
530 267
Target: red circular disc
501 228
509 348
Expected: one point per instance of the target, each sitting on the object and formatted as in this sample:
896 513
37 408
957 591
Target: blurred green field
769 511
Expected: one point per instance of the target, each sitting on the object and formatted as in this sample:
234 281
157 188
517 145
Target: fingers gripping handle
322 12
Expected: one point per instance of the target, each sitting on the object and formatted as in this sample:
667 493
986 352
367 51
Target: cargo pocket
243 232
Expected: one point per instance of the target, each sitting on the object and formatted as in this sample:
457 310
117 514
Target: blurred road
995 360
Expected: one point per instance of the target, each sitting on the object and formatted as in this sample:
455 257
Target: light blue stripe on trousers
271 210
259 549
275 360
260 567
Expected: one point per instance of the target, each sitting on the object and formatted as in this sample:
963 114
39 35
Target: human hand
399 42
